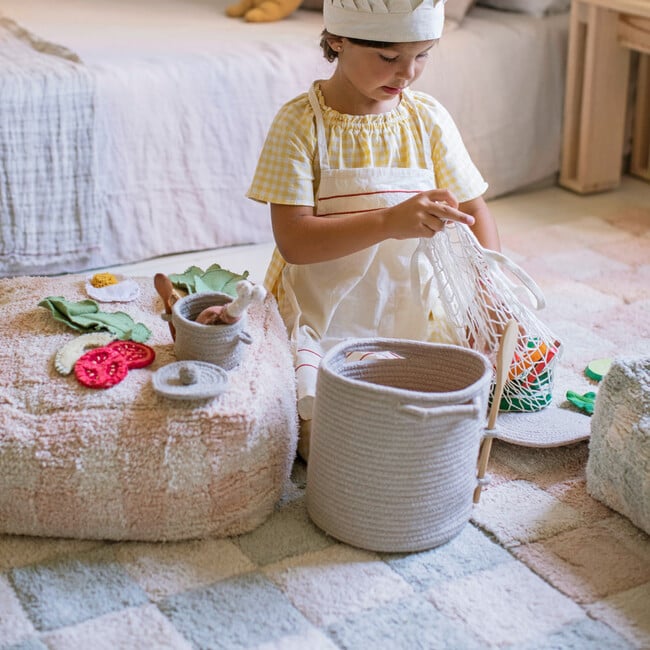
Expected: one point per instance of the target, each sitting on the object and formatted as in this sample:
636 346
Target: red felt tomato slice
101 368
137 355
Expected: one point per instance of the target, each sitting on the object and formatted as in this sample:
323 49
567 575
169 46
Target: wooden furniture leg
595 102
640 160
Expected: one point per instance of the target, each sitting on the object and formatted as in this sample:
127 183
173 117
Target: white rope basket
395 441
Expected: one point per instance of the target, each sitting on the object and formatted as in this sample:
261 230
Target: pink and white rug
541 564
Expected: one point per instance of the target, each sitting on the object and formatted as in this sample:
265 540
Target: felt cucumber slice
598 368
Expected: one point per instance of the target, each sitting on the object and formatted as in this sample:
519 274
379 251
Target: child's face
380 74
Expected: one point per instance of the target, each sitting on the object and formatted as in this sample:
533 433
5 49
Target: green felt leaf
222 280
85 316
140 333
229 287
200 285
187 279
61 308
214 278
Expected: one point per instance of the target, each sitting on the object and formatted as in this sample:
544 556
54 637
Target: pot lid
190 380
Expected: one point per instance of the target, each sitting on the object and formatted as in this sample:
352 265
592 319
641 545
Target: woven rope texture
219 344
392 464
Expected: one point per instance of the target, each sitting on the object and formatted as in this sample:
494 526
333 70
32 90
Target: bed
131 129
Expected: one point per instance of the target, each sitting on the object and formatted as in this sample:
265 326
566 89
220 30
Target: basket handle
455 410
245 337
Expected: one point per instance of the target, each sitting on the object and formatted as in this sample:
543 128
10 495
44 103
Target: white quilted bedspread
180 98
48 198
177 126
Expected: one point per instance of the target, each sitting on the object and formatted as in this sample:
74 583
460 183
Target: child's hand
424 214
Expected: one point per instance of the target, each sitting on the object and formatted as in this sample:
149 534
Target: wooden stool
602 35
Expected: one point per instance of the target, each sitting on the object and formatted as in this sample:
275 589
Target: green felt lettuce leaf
187 279
85 316
214 278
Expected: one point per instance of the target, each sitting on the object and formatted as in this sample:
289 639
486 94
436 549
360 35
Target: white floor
514 213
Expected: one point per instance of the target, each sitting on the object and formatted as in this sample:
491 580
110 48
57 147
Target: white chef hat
391 21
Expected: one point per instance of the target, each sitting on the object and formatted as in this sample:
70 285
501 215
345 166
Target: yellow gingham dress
288 170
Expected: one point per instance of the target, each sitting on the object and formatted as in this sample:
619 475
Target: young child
356 171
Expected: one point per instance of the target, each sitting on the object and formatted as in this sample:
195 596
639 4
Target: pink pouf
126 463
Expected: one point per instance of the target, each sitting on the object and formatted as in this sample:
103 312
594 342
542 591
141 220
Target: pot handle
245 337
454 410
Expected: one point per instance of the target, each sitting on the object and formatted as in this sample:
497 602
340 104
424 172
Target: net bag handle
496 261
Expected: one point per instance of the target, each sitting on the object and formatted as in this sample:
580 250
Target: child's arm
303 238
485 228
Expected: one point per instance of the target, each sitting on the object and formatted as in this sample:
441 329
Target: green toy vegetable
598 368
214 278
86 316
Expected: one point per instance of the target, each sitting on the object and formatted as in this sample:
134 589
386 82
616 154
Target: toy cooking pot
220 344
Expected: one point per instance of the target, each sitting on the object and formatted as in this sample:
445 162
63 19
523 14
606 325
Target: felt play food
100 280
584 401
85 315
68 355
231 312
522 362
598 368
107 287
101 368
215 278
536 356
137 355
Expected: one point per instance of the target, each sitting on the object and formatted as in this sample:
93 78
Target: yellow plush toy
262 11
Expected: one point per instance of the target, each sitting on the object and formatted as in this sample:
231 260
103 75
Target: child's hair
331 54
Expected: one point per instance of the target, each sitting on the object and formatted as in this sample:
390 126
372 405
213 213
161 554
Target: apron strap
424 134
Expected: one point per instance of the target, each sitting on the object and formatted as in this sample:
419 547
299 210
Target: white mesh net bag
474 292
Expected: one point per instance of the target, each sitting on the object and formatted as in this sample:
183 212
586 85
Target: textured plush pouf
618 469
124 462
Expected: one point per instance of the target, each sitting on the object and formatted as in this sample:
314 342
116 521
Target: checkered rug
541 564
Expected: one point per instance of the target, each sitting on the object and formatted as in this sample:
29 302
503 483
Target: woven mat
550 427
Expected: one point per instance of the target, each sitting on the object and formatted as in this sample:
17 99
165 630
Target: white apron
365 294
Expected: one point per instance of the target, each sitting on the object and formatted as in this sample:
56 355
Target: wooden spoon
169 295
504 358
